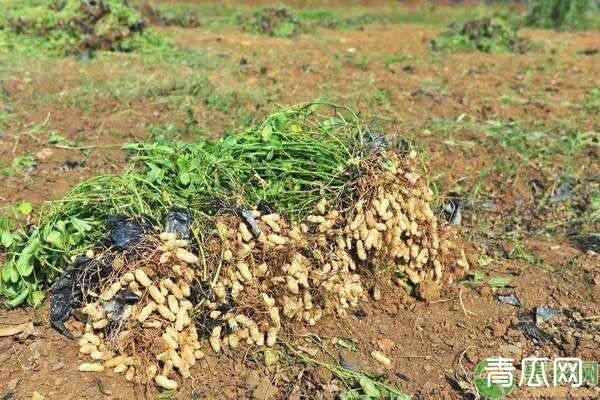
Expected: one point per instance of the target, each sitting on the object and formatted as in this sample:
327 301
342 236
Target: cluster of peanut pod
262 273
154 339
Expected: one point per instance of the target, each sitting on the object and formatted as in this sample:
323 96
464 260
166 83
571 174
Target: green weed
518 252
20 164
559 14
71 27
358 384
591 103
490 35
278 22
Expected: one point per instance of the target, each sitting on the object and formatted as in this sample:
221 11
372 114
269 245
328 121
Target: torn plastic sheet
250 222
63 296
85 274
178 221
125 232
452 208
511 299
115 307
563 192
543 314
531 330
589 242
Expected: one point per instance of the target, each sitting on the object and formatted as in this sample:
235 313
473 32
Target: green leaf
369 387
20 298
349 395
6 239
54 238
155 174
167 394
24 263
267 133
55 138
184 178
394 395
271 357
14 274
476 276
7 270
347 344
37 298
484 260
61 226
80 225
75 238
24 208
499 281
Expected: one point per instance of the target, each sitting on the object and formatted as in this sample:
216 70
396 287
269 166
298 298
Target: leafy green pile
490 35
295 157
72 26
558 14
272 21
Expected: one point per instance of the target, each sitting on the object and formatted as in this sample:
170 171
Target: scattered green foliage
348 344
490 35
329 19
288 162
591 103
359 385
184 15
20 164
277 21
558 14
167 394
72 27
218 16
519 252
477 278
499 281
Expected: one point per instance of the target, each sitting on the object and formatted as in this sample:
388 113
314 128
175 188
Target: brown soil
432 345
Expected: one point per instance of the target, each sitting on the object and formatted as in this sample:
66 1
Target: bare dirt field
516 135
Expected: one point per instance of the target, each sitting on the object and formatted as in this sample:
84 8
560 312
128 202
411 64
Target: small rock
312 351
331 389
75 327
